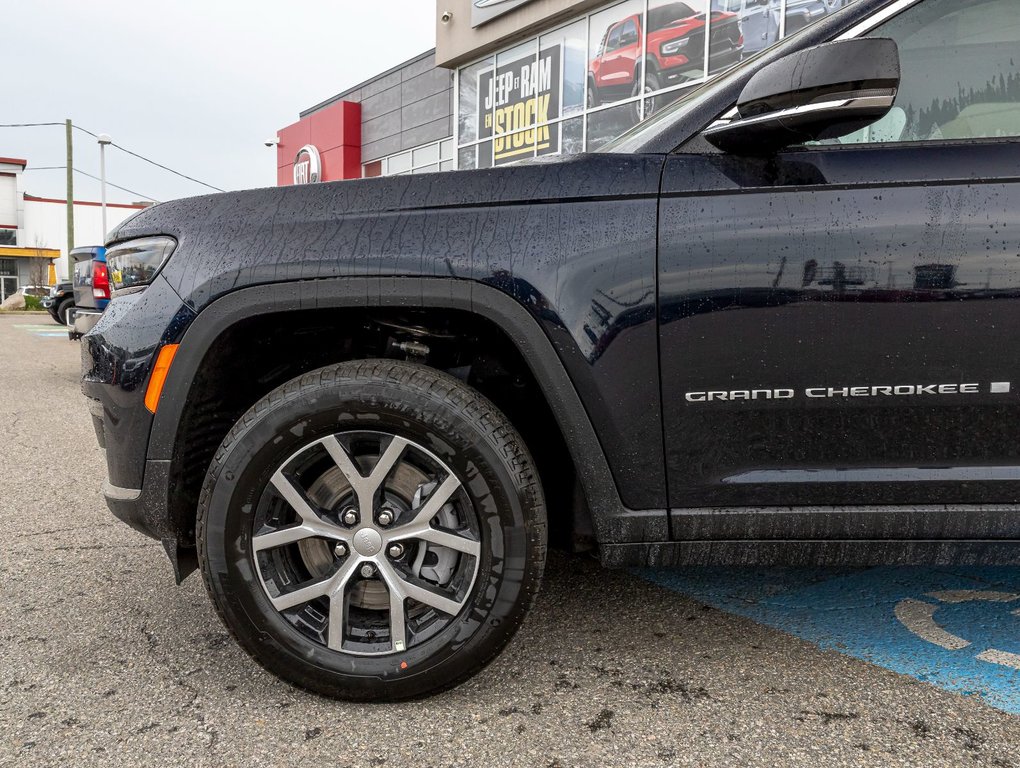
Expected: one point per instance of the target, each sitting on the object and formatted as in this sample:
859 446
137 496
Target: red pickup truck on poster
674 51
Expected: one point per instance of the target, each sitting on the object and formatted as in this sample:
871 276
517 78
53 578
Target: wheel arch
610 520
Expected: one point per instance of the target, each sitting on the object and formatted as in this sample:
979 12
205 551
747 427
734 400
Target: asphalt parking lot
103 661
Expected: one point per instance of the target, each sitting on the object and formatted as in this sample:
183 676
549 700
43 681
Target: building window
8 236
8 267
437 156
584 83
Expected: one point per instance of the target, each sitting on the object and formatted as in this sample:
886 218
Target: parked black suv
771 324
60 302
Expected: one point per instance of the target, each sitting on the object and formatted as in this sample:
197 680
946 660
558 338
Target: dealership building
33 229
513 79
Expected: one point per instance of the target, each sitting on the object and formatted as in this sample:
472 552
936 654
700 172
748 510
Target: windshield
638 136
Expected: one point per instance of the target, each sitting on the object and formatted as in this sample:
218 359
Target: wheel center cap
368 542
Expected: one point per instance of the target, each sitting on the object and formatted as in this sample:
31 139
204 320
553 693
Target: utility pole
70 201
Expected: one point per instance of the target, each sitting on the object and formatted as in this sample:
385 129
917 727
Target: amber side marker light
158 378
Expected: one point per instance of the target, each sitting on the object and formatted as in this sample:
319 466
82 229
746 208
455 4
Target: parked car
91 289
60 302
38 291
773 323
674 51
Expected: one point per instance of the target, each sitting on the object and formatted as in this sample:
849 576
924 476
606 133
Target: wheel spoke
337 618
279 538
329 586
365 488
293 496
386 462
299 503
338 603
303 595
425 595
451 540
346 464
403 586
398 630
433 504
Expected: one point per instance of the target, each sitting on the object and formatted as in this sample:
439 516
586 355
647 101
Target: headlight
136 262
675 46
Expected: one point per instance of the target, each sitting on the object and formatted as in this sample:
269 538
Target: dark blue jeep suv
771 324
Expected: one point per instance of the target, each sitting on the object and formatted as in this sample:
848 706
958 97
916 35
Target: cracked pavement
103 661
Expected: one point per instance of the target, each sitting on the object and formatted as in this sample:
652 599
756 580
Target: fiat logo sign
307 165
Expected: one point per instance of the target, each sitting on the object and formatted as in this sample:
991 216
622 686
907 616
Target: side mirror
819 93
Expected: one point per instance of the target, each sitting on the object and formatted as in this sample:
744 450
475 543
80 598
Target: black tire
61 313
592 94
460 427
651 86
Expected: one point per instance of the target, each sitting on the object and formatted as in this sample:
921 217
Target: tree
39 268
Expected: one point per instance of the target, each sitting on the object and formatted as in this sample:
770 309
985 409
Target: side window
614 39
960 65
628 36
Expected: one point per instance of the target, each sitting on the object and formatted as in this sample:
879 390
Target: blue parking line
895 617
46 331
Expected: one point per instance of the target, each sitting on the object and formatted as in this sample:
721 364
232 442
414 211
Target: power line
84 173
25 125
151 162
118 146
122 189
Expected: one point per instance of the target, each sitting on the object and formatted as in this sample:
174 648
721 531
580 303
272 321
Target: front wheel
373 530
651 86
62 309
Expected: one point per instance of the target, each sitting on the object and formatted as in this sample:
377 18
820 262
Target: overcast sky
197 85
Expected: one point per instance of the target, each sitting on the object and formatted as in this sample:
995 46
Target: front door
8 287
839 323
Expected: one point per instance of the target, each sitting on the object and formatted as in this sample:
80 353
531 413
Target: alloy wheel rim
366 542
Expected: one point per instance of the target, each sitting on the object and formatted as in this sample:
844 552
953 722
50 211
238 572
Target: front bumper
118 353
144 509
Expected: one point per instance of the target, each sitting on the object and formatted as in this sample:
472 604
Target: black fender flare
612 521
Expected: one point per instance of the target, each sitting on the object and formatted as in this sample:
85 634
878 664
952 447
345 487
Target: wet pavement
103 661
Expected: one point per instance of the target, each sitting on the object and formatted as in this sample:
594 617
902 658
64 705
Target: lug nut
395 550
340 550
386 517
350 516
368 570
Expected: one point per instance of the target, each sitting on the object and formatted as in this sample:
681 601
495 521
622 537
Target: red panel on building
335 132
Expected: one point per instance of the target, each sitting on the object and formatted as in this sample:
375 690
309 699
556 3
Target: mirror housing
818 93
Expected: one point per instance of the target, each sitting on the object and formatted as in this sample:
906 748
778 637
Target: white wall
9 200
46 226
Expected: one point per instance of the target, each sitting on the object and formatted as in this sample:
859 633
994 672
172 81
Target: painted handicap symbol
918 616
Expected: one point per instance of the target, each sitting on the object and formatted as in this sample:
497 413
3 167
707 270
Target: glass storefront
428 158
584 83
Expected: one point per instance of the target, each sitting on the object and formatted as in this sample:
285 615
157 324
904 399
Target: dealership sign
307 165
483 11
516 101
